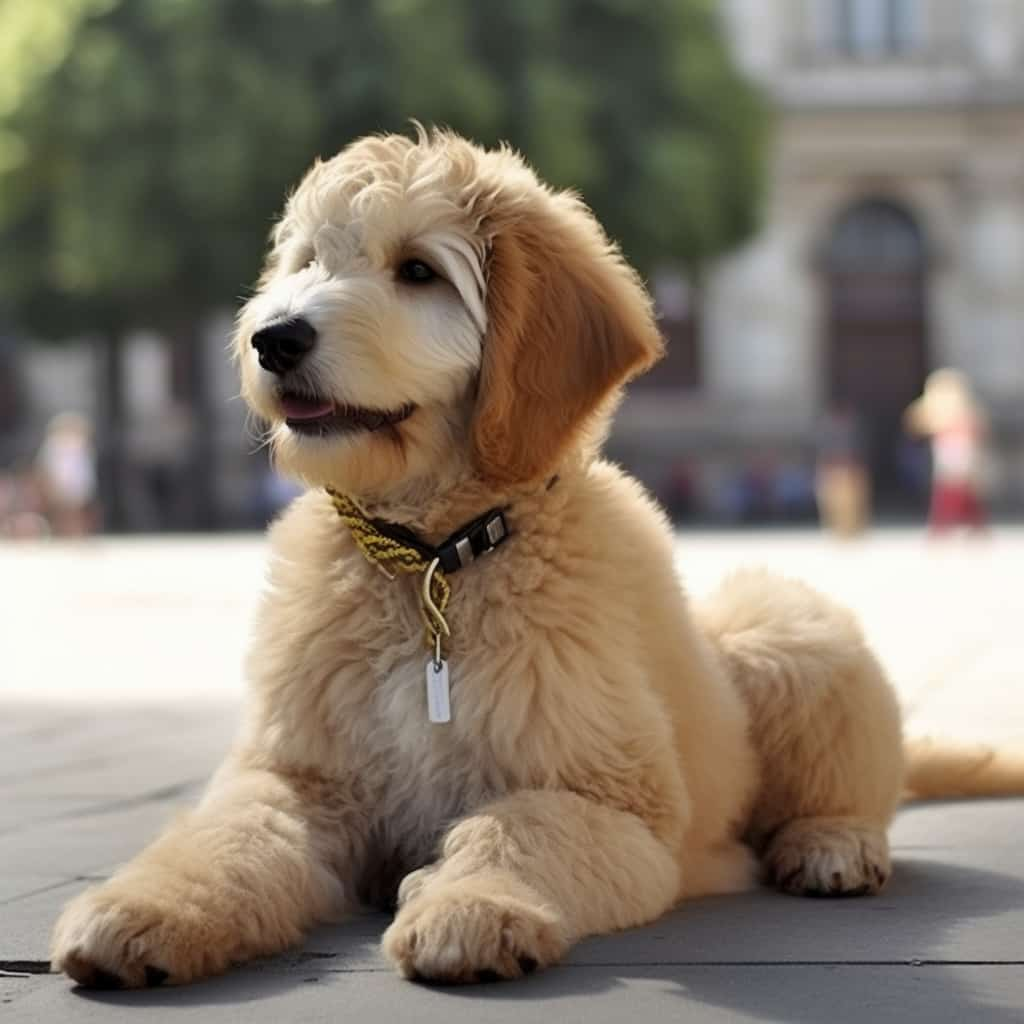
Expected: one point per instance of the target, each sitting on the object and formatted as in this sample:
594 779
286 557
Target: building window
873 29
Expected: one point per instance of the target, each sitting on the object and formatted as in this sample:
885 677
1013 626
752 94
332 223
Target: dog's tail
937 769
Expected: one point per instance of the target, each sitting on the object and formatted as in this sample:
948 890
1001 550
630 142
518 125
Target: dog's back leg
826 725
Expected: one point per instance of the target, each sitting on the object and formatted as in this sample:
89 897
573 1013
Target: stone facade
914 104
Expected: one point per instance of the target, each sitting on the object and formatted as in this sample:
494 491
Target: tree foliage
145 145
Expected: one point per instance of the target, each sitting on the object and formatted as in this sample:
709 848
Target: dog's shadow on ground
814 961
761 956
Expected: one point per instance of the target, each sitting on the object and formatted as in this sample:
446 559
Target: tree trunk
203 512
110 432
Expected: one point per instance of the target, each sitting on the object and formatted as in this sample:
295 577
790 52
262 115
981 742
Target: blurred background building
892 244
826 196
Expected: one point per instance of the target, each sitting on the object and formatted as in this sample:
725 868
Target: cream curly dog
568 748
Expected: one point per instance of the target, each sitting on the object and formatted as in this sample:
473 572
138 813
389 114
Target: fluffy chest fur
339 688
540 697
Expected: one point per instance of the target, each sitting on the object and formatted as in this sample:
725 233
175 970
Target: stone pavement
119 689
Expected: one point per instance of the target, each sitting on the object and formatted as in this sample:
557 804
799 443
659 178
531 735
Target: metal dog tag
439 706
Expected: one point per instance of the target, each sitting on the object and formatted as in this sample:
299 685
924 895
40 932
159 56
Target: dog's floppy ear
568 323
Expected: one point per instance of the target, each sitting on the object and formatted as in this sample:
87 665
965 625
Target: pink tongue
305 408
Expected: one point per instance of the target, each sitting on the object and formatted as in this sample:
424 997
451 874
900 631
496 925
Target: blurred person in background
950 416
66 466
678 493
21 506
160 442
793 497
842 485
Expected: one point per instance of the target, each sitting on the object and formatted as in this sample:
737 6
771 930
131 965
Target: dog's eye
416 272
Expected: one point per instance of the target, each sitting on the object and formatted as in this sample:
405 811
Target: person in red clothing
948 414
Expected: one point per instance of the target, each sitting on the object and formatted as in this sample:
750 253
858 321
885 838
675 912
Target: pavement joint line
154 796
26 969
622 965
23 968
43 888
912 962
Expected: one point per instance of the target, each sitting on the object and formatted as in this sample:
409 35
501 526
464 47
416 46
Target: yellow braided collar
391 556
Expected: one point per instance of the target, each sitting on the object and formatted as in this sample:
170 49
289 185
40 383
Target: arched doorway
876 266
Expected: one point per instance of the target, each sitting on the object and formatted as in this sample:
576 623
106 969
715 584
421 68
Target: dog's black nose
282 346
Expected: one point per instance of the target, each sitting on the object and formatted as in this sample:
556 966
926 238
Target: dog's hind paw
828 857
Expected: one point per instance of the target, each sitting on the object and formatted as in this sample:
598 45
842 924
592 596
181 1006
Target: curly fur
610 752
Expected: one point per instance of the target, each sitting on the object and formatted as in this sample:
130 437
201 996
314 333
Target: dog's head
428 308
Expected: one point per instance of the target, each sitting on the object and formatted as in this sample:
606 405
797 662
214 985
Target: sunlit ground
167 619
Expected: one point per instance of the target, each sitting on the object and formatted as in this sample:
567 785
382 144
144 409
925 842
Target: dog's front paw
115 937
474 930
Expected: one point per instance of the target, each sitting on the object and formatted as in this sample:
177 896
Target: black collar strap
464 546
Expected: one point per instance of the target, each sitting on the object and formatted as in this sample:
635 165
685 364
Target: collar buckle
478 538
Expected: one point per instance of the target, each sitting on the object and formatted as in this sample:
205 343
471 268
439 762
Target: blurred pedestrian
793 498
66 465
842 483
950 416
678 494
21 506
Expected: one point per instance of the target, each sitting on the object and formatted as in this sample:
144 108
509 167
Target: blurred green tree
145 144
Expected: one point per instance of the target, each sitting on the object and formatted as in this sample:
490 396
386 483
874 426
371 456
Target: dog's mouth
317 417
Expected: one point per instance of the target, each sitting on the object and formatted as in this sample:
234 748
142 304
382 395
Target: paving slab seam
913 962
36 968
630 964
156 796
24 968
74 880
